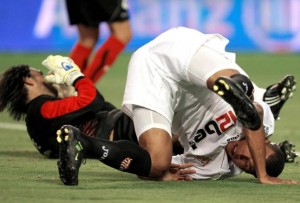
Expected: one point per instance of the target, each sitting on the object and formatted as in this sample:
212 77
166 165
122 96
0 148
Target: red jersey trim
86 94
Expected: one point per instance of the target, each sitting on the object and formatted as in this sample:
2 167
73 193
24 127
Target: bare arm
256 142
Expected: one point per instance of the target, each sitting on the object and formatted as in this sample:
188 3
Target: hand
64 91
63 70
179 172
54 79
274 180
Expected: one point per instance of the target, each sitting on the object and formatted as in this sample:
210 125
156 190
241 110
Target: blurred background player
87 15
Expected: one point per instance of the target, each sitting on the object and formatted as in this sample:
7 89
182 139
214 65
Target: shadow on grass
20 154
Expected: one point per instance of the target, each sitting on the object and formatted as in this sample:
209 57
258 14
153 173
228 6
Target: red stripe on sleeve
86 94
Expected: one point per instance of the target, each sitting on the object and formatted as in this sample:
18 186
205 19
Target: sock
122 155
104 58
80 55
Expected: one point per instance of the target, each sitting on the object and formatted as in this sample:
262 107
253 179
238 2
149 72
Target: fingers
47 62
50 79
182 171
182 166
291 182
274 180
187 165
64 63
187 172
65 71
58 62
184 174
53 78
185 178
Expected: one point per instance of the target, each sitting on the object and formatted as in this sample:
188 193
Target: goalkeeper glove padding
62 70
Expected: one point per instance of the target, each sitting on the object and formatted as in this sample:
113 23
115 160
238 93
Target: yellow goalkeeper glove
63 70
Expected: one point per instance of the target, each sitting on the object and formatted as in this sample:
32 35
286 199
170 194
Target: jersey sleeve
88 98
268 118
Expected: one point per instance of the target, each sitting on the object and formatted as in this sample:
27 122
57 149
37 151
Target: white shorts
145 119
156 82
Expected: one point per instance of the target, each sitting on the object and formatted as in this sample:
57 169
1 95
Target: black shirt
88 111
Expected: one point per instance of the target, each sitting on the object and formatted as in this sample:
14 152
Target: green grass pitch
26 176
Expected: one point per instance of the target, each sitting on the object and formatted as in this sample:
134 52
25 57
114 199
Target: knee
124 36
122 31
89 42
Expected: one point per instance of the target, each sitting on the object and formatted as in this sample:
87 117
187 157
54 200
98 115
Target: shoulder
40 100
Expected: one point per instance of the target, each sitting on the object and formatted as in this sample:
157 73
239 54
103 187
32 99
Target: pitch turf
25 176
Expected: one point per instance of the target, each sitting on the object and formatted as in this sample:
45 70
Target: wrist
72 77
77 79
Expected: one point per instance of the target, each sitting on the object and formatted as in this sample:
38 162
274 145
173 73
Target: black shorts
93 12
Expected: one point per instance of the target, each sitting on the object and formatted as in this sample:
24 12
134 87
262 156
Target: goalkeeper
45 113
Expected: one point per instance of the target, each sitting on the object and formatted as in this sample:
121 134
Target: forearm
256 143
257 146
87 100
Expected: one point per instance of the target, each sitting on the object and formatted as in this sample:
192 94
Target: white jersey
206 149
158 80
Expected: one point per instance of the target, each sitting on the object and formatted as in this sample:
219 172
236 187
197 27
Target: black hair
274 163
13 93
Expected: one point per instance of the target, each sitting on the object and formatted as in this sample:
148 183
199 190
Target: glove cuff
72 76
75 81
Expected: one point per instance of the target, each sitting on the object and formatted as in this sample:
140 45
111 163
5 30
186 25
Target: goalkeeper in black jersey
44 113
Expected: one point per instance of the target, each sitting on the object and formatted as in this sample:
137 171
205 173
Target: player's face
239 153
38 77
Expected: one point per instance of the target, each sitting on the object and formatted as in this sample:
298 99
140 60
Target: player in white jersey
170 90
211 148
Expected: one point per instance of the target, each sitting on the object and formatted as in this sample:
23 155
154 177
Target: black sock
123 155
